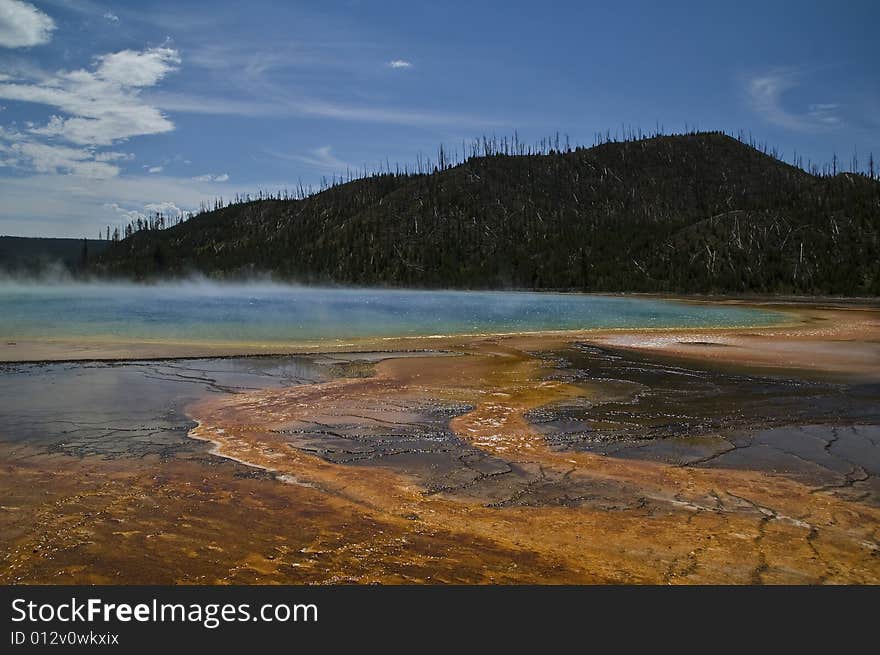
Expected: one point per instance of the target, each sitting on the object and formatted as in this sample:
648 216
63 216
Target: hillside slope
692 213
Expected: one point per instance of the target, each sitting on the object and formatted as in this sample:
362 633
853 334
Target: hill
691 213
34 255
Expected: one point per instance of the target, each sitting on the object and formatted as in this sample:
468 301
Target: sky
111 110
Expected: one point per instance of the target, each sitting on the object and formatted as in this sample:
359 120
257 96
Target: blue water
272 313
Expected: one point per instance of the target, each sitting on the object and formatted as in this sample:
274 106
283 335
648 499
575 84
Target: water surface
274 313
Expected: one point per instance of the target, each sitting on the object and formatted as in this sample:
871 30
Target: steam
56 277
260 310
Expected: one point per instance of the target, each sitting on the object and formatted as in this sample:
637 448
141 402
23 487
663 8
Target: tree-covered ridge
690 213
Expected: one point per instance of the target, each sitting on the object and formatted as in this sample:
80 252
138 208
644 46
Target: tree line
483 146
701 211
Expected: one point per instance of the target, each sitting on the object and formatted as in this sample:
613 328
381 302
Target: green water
272 313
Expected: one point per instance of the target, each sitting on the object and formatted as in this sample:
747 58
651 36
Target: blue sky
111 110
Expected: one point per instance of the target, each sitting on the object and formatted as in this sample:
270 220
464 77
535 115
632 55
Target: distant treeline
31 256
695 212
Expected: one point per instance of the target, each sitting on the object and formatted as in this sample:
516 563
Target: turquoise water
272 313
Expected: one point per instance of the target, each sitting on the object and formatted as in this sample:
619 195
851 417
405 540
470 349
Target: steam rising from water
263 311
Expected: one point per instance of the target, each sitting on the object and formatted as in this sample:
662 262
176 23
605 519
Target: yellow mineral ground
268 511
695 525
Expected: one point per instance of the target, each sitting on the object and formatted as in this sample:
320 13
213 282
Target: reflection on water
131 408
278 313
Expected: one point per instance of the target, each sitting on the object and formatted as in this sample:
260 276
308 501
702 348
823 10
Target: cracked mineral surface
517 459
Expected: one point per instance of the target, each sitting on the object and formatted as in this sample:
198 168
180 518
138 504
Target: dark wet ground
128 409
414 438
137 408
826 435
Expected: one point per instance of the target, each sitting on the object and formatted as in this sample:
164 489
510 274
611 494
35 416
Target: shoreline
57 350
843 339
110 348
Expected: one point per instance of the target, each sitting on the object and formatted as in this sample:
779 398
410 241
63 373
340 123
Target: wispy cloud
113 156
825 113
18 152
97 108
260 85
181 17
23 25
210 177
189 103
283 105
239 62
320 158
103 105
766 94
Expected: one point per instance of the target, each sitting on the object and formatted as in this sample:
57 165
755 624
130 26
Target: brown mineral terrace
342 480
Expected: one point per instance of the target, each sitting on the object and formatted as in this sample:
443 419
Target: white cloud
130 68
99 107
127 215
166 208
766 94
45 158
23 25
130 214
103 105
222 177
154 169
113 18
124 215
399 63
19 152
114 156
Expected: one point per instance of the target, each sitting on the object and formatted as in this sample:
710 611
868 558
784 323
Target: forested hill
693 213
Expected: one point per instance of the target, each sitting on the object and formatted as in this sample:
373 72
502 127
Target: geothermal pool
208 312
